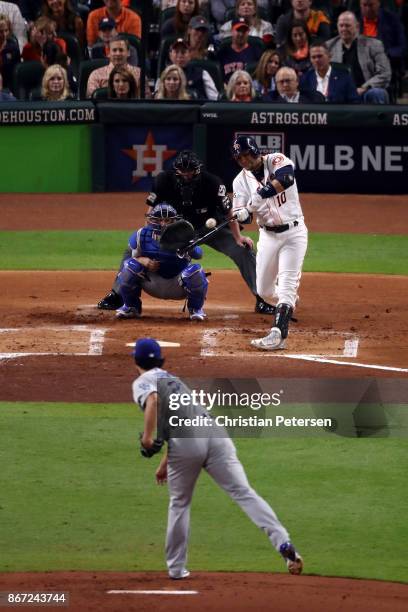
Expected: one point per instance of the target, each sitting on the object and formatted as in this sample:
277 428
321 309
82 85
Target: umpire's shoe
111 301
262 307
293 560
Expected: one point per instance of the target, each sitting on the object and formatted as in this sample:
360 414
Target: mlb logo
268 142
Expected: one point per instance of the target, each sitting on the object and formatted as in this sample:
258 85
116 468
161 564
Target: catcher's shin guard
130 279
195 283
282 317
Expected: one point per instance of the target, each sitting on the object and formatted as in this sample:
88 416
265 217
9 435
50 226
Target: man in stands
127 21
119 53
240 52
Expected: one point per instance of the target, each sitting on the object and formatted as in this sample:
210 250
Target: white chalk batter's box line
209 348
209 343
95 341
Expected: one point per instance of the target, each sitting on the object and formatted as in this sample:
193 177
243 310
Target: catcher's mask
161 216
245 144
187 167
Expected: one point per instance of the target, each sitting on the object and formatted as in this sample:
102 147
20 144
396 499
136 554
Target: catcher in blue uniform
160 273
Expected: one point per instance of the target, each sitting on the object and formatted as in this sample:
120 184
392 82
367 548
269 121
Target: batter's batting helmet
245 144
160 212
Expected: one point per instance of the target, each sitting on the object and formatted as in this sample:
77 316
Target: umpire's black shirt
197 201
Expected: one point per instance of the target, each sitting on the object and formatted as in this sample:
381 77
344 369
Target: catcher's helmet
245 144
187 161
161 212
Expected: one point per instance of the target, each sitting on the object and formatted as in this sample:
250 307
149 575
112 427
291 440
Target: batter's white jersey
277 210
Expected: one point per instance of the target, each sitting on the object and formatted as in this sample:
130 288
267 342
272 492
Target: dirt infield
213 592
56 346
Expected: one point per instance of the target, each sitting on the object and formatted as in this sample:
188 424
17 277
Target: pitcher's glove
153 450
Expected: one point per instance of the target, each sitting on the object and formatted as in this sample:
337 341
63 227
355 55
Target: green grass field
75 494
101 250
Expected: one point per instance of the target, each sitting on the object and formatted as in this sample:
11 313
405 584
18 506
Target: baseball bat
202 239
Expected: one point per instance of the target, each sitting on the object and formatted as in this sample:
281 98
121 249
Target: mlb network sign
268 142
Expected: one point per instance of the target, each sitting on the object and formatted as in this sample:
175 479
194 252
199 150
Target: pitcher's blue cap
147 348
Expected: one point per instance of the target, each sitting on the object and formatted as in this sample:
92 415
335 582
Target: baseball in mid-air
210 223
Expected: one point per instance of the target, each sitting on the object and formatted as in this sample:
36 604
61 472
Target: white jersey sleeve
241 192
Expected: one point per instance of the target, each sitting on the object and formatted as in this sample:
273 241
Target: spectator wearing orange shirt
379 23
318 23
127 21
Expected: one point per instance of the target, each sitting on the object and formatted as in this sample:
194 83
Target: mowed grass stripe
76 494
102 250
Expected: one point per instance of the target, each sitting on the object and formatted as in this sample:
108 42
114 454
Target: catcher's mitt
177 236
153 450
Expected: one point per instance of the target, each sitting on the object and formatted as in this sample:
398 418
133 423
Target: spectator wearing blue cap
107 32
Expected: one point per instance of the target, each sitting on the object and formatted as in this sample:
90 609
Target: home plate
163 343
150 592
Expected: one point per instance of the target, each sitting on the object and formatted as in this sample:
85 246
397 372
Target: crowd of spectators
293 51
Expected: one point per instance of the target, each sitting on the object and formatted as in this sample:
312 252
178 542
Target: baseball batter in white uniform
266 188
206 446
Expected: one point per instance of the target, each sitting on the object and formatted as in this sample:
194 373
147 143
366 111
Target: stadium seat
74 50
85 69
27 76
214 70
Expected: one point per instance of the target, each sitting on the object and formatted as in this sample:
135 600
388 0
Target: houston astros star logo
149 157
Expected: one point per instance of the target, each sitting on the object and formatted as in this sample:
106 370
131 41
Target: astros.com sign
268 142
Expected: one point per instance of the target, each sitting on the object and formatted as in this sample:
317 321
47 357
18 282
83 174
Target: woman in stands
55 87
122 85
257 27
296 49
9 52
178 25
240 87
172 84
267 67
67 20
43 46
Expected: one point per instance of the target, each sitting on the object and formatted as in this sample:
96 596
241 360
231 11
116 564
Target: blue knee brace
196 284
130 279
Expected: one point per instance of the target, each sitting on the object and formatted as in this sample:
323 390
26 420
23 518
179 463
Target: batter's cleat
111 301
292 558
184 574
262 307
271 342
128 312
197 314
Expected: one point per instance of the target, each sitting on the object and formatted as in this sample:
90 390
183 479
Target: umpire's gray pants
186 458
224 242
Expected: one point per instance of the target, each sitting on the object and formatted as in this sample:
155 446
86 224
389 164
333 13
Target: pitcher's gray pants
186 458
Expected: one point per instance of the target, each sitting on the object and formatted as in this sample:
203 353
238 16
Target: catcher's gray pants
164 288
223 241
186 458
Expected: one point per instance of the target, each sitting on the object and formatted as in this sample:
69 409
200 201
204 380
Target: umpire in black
198 195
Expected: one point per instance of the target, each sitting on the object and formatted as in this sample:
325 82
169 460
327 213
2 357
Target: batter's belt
278 229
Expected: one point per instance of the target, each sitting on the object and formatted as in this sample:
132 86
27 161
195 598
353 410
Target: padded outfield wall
116 146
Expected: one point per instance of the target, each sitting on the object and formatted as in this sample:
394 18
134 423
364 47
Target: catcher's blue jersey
146 245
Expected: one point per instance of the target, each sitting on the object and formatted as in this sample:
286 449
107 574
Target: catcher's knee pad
195 283
130 278
282 317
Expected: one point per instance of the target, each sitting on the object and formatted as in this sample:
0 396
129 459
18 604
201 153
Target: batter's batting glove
153 450
267 191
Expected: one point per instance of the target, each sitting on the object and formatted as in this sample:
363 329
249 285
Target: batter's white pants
279 262
186 458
